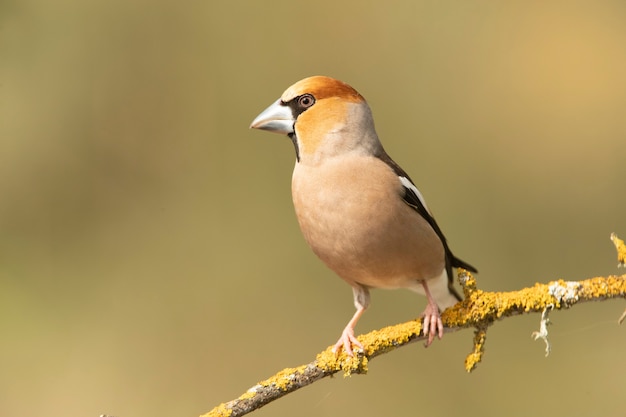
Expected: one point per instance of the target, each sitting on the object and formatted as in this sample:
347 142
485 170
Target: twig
621 250
479 310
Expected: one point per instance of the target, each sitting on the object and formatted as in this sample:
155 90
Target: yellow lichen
283 378
247 395
330 362
220 411
390 337
375 343
327 361
621 249
472 360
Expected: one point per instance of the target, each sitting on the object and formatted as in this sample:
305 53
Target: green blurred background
150 260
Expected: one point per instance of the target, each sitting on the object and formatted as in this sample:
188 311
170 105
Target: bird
358 210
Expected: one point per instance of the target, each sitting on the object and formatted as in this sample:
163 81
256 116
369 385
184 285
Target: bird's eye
306 100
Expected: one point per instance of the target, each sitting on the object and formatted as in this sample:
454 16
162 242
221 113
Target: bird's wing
415 200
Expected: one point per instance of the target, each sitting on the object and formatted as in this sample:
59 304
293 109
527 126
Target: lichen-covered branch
479 310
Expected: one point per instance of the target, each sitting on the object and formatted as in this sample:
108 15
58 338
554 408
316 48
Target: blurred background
150 260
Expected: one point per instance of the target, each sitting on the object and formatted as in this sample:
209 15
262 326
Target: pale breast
352 215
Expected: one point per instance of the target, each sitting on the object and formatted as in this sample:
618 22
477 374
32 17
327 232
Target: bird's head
324 117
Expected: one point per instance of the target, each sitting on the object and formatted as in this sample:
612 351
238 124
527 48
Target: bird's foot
433 326
346 341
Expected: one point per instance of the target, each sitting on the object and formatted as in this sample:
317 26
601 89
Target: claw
433 326
346 341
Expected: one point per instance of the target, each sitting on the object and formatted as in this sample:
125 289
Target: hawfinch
357 209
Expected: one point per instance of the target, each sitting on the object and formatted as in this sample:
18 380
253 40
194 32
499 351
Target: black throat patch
294 140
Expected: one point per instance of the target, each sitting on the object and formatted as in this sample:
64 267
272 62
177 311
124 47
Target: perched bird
358 210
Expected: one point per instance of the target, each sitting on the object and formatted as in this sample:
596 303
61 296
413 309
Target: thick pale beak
276 118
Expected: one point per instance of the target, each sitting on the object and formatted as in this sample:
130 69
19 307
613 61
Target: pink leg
347 339
432 318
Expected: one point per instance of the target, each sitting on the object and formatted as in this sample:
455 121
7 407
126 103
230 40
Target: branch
479 310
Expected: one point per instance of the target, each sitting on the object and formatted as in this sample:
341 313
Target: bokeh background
150 260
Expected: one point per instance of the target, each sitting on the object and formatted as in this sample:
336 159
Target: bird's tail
457 263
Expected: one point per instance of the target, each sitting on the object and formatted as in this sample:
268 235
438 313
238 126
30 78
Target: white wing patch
408 184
